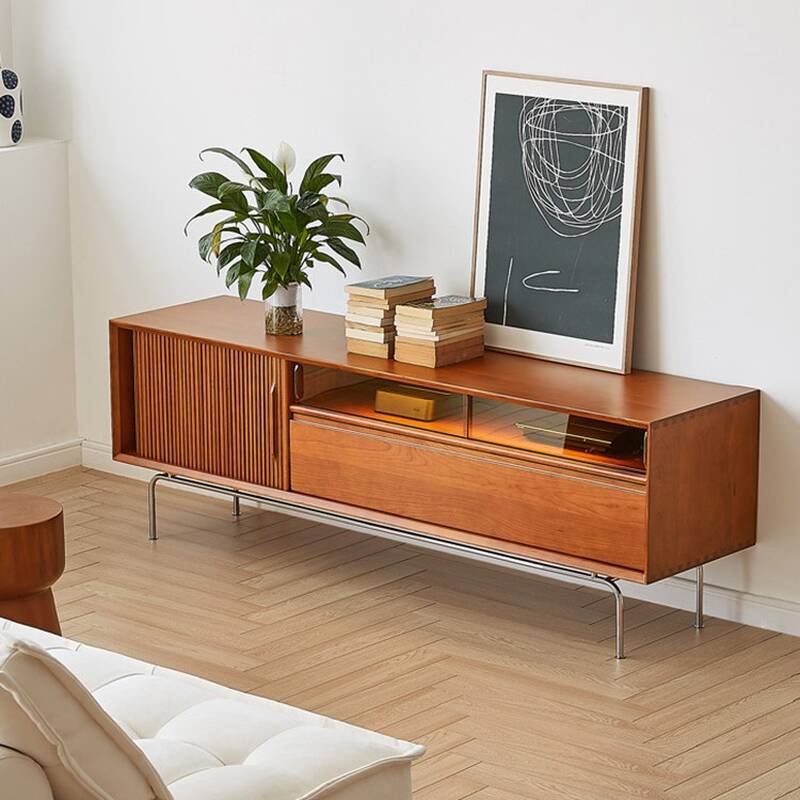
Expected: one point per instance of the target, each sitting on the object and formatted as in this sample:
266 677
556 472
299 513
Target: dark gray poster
554 216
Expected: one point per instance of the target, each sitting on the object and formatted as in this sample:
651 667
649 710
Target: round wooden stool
31 559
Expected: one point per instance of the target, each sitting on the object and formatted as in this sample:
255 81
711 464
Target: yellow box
415 403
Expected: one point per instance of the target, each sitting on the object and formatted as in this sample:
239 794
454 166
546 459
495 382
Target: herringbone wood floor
509 680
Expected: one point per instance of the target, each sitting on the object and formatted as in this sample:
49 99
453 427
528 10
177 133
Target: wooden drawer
558 510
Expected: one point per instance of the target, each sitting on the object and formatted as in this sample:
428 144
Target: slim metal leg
698 588
151 503
401 535
237 511
619 613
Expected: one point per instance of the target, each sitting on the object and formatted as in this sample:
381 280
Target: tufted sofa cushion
48 715
207 742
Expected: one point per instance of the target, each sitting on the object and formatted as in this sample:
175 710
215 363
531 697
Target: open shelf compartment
509 425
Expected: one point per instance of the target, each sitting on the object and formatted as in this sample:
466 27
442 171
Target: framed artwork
557 204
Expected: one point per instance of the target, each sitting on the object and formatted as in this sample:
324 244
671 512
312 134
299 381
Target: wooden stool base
31 559
36 610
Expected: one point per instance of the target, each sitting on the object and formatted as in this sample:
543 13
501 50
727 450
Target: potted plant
272 233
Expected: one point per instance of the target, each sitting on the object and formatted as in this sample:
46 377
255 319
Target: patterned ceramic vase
11 129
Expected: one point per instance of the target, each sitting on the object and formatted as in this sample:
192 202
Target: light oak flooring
508 679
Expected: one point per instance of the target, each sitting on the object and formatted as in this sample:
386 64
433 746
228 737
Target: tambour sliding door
209 408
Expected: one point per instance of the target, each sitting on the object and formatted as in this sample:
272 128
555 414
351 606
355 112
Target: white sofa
79 723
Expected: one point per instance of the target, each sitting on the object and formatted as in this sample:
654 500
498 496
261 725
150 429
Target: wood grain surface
554 510
508 679
638 398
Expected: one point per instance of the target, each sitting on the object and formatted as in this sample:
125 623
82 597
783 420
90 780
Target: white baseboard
97 455
41 461
734 605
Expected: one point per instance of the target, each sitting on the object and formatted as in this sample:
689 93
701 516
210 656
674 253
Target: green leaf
244 284
270 286
319 182
208 183
228 254
249 252
275 200
271 170
341 229
312 206
227 153
231 187
289 223
338 246
303 278
305 201
302 220
235 201
232 276
204 245
316 168
340 200
329 259
349 218
280 265
208 210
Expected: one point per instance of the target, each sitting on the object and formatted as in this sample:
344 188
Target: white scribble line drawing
505 295
527 285
573 201
545 288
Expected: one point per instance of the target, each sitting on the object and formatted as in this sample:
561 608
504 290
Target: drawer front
451 486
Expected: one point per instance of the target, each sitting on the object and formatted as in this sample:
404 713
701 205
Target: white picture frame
580 151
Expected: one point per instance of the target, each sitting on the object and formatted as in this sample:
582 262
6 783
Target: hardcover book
446 305
374 349
366 319
370 336
390 286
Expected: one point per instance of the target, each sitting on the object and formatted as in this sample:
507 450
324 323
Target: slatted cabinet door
208 408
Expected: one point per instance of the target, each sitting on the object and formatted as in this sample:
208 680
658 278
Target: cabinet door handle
273 398
297 381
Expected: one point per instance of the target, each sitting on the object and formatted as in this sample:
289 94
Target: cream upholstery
204 741
47 714
22 777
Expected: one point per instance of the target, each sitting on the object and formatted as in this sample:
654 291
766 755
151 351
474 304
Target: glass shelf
557 434
531 429
388 401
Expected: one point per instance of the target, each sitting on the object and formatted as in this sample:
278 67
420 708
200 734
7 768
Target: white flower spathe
285 158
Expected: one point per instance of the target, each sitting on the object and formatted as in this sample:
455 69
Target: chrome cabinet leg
698 589
619 606
402 535
151 503
619 612
237 511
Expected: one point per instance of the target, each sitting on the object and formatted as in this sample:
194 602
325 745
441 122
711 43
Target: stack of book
439 331
369 322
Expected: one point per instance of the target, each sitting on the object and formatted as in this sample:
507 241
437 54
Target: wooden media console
510 459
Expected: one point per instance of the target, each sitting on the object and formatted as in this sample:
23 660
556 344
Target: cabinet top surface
639 398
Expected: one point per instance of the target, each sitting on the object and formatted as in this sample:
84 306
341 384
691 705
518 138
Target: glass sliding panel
557 434
384 400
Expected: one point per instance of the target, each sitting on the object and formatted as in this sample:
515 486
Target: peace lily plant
273 234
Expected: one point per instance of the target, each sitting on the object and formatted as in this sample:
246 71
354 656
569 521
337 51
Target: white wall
38 415
141 87
38 420
6 38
